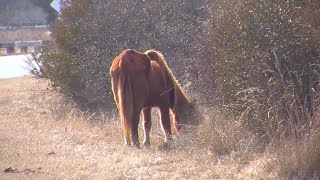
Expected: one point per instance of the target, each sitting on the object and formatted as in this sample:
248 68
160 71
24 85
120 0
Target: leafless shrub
266 64
90 34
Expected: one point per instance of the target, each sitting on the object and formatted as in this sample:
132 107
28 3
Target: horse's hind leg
134 129
165 123
126 133
146 126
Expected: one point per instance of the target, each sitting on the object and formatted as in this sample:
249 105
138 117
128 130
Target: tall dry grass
298 158
45 138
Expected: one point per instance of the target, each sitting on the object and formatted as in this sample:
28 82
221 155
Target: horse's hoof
136 146
146 144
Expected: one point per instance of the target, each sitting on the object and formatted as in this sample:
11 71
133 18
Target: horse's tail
125 102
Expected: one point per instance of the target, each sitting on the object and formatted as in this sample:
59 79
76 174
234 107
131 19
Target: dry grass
24 34
43 138
298 159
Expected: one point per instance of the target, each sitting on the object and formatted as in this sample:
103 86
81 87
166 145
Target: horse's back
150 83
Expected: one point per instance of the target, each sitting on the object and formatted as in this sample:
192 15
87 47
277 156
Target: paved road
13 66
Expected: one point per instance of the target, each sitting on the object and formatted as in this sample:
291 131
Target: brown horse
141 81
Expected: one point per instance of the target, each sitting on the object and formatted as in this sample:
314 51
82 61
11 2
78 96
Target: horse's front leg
146 126
165 123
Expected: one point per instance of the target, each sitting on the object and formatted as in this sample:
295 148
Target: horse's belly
157 99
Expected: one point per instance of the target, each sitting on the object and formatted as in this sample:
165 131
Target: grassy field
42 137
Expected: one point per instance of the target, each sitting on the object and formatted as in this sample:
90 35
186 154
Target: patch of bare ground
43 138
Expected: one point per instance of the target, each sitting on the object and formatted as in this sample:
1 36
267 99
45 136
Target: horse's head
187 114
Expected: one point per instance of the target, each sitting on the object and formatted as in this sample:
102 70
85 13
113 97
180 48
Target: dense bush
89 34
266 62
260 57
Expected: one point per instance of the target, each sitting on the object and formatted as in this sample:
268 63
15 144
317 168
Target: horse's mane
179 96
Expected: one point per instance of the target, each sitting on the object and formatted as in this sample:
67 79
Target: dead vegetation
42 138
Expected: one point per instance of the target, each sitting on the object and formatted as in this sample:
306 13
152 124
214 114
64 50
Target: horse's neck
180 97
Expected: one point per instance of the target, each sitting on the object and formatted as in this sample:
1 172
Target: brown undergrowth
43 137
